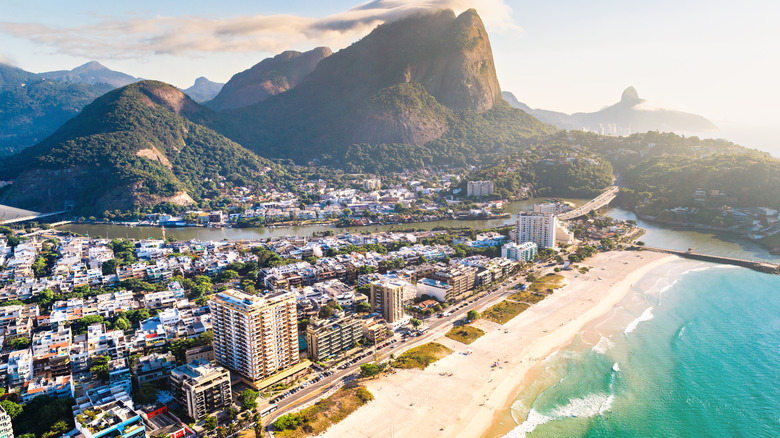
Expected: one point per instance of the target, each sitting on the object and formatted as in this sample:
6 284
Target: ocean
692 351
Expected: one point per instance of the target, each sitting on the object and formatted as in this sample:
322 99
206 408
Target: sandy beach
424 403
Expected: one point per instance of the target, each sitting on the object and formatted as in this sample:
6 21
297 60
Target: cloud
134 37
7 60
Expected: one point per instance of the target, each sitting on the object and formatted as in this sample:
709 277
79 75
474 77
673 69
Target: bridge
601 200
769 268
10 215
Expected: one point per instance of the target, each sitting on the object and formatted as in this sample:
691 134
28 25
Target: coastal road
594 204
438 327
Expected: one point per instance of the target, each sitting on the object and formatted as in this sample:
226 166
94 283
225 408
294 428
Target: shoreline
470 402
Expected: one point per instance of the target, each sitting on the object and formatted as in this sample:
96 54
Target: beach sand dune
415 403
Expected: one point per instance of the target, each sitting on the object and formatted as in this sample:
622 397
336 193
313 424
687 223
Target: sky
714 58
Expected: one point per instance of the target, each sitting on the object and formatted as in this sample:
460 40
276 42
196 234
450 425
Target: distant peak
91 66
630 95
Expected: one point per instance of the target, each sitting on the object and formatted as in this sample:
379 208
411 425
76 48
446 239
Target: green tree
18 343
472 315
368 370
109 266
415 322
363 307
99 366
231 413
12 409
146 394
248 399
210 423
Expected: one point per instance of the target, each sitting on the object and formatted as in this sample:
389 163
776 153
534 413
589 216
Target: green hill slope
132 148
31 107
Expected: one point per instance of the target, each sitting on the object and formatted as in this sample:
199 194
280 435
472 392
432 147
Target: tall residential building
255 336
6 430
538 228
479 188
525 251
546 208
201 387
387 297
372 184
328 337
461 278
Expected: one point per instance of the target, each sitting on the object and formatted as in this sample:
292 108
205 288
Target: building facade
328 337
6 430
479 188
255 336
538 228
525 251
461 279
387 297
201 387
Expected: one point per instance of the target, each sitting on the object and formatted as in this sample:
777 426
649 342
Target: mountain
631 114
561 120
131 149
269 77
411 82
92 73
203 90
33 107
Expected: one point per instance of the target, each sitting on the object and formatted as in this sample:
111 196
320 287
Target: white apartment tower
255 336
538 228
6 430
479 188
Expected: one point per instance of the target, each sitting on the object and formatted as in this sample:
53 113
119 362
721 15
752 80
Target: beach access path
431 403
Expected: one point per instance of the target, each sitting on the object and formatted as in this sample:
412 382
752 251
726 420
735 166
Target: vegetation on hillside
32 107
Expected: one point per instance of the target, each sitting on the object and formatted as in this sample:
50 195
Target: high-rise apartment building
255 336
201 387
461 279
479 188
387 297
538 228
328 337
6 430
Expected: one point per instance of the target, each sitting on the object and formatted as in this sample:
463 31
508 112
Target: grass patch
546 283
528 297
465 334
504 311
318 418
421 356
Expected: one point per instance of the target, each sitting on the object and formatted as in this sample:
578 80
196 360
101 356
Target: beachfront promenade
594 204
766 267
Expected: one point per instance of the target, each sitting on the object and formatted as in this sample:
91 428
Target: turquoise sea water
701 358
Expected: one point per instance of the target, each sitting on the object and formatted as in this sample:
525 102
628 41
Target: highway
594 204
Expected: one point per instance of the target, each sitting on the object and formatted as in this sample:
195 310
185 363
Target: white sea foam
586 407
647 315
604 345
615 367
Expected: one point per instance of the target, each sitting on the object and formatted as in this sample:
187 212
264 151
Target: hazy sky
716 58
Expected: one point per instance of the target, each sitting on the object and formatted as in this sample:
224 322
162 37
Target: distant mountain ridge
623 118
404 83
132 148
267 78
203 90
33 107
92 73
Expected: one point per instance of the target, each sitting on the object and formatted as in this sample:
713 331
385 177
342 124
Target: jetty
766 267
